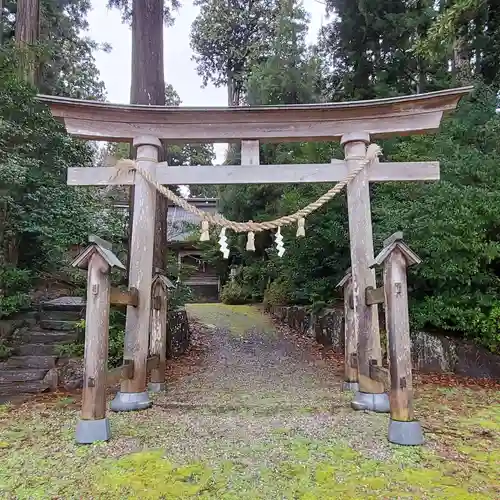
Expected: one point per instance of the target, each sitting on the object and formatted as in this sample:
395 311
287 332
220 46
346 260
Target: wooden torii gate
354 123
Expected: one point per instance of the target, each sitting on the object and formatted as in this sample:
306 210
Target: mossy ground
253 424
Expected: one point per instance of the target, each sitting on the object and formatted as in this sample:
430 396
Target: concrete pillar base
157 387
90 431
131 401
371 402
405 433
350 386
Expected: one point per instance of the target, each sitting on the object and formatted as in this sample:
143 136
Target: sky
180 70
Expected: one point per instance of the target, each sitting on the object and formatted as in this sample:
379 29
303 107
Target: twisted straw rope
372 154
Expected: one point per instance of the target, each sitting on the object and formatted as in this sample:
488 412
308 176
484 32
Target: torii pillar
371 395
133 394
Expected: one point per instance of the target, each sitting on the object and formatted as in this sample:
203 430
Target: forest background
257 50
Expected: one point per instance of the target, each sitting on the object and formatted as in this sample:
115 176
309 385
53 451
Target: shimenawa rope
372 153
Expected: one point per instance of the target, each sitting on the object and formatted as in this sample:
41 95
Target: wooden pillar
96 339
398 336
158 342
133 394
366 322
396 256
250 154
350 337
93 425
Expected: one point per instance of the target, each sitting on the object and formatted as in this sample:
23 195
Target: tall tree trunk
27 29
148 87
1 23
27 32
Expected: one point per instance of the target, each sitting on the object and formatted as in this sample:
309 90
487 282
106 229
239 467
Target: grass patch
239 320
40 459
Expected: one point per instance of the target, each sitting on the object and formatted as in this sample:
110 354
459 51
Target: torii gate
354 123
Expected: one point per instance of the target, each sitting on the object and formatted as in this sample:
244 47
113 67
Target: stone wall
177 333
430 352
10 325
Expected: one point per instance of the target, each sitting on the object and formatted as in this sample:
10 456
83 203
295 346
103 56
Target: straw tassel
205 234
301 230
250 241
279 243
223 243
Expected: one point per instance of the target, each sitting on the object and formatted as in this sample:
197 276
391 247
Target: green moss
239 320
150 475
40 459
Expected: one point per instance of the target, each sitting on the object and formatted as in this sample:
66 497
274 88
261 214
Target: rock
178 336
70 373
430 352
52 379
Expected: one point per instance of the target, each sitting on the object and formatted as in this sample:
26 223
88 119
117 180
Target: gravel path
255 386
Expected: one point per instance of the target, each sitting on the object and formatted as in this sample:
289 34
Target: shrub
179 296
5 350
234 293
278 293
14 284
116 340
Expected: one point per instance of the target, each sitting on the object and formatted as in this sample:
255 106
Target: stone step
17 388
49 336
64 304
37 350
61 326
28 375
46 362
55 315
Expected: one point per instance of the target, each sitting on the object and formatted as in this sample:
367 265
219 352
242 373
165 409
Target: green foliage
452 224
278 293
228 38
234 293
126 8
14 285
179 296
5 350
40 216
115 340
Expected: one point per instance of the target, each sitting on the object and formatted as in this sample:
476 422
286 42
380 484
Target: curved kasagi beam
405 115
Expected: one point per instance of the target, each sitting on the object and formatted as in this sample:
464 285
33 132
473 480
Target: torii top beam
405 115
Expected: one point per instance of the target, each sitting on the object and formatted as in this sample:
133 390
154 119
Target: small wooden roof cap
392 243
162 280
103 248
345 279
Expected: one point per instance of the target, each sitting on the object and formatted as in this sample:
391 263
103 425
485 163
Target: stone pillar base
157 387
350 386
131 401
405 433
90 431
371 402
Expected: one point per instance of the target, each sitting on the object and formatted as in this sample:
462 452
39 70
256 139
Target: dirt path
258 415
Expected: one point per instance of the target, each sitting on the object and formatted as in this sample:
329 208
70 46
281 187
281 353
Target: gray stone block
350 386
90 431
130 401
371 402
405 433
157 387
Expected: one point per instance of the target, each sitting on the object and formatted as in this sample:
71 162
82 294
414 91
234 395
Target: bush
234 293
278 293
14 284
5 350
116 340
179 296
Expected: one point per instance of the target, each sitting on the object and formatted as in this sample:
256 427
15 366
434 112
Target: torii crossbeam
354 123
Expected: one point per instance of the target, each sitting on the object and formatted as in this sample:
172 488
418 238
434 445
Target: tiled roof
179 221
